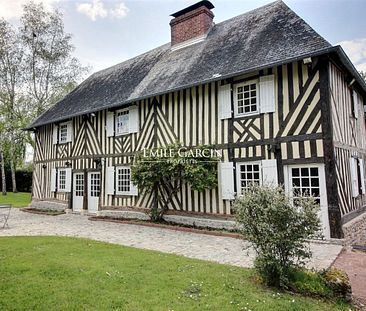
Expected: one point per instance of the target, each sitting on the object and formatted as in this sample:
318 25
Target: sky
107 32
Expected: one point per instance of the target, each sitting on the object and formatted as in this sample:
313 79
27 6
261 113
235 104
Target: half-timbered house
279 102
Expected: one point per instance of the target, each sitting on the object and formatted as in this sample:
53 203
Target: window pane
249 94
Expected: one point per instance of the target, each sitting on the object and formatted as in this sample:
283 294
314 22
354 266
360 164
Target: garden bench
4 214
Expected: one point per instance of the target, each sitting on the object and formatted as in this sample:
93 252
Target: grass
56 273
20 199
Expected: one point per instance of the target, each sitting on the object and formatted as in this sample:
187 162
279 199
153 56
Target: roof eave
333 49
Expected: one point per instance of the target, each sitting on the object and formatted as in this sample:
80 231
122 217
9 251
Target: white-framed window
63 133
62 179
79 185
248 173
309 179
123 180
305 181
246 99
95 184
122 122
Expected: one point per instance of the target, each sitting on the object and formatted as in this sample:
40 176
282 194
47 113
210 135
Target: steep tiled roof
269 35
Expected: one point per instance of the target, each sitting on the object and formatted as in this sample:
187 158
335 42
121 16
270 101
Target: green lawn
55 273
20 199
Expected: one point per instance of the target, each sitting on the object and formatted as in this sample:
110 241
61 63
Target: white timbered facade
298 122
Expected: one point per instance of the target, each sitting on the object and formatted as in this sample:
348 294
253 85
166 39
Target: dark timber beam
328 146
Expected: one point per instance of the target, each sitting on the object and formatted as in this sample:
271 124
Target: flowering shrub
278 228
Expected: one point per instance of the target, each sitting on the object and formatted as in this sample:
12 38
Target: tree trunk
154 214
12 169
3 177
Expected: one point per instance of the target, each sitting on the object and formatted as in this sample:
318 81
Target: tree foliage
36 70
278 229
163 171
50 68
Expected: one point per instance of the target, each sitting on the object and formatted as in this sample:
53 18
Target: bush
279 229
309 283
339 282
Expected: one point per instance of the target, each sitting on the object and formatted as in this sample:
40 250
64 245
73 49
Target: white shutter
69 132
354 181
226 171
68 180
224 98
267 94
110 124
110 180
133 189
55 134
133 119
362 175
355 103
269 172
53 179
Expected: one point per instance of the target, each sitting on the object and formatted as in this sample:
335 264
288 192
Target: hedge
23 178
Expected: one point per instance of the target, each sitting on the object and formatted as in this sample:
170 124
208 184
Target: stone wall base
184 220
355 231
49 205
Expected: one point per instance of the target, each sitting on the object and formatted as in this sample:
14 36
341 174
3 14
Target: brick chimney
191 24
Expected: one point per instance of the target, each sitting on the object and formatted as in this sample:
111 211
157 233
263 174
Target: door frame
87 184
322 192
74 173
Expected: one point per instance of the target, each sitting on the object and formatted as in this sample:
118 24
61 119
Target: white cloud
356 50
14 8
120 10
96 9
93 10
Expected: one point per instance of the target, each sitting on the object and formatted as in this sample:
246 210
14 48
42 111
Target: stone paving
219 249
354 264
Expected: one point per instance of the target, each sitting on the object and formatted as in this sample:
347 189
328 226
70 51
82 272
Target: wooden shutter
224 98
110 180
355 104
267 94
133 189
226 170
354 179
269 172
69 132
68 180
133 119
53 179
362 175
55 134
110 124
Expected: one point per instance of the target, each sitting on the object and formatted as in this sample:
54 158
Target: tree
164 170
11 80
51 70
278 228
36 70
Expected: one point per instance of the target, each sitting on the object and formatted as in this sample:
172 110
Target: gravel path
225 250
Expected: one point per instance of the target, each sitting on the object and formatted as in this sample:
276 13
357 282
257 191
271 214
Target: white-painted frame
323 214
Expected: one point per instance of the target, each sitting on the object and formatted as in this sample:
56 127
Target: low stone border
192 221
174 227
48 205
42 212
